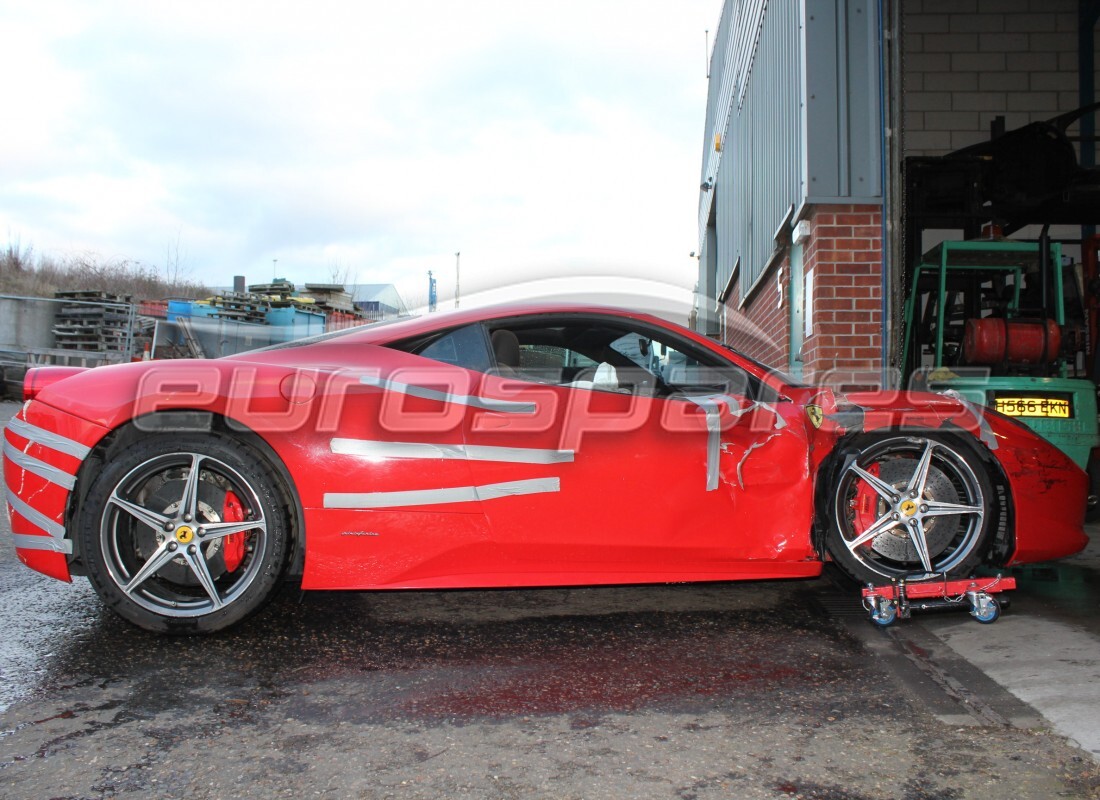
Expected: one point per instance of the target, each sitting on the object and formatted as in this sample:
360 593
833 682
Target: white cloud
534 138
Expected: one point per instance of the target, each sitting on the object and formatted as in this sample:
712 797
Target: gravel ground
746 691
681 692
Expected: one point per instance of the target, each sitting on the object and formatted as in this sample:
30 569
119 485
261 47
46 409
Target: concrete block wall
968 61
27 323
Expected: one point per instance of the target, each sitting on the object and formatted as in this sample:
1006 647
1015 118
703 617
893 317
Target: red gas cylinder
995 341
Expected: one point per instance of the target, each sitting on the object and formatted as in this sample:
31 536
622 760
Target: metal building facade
793 119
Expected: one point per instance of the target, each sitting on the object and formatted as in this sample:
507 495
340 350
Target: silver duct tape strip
25 542
432 497
714 441
36 517
428 450
495 491
710 405
473 401
39 468
49 439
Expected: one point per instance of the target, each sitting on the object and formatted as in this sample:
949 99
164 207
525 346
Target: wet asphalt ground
754 690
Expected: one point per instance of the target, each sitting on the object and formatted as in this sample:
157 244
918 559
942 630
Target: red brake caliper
233 544
865 504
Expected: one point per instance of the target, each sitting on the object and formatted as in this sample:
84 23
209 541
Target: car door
393 502
663 467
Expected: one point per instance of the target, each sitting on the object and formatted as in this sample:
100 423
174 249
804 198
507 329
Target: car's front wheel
185 534
912 506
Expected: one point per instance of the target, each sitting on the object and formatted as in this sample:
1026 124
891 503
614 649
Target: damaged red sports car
520 446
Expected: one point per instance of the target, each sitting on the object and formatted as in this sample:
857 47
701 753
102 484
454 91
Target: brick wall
761 328
844 251
968 61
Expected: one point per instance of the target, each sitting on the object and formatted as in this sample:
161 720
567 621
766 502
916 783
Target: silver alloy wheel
163 536
910 506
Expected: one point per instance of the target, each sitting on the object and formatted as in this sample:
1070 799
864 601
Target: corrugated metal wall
795 90
761 176
843 101
719 92
719 103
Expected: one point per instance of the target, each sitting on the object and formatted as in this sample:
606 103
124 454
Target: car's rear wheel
185 534
908 505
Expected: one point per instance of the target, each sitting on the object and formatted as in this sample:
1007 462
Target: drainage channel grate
840 605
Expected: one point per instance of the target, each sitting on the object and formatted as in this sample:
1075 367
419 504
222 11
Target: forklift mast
1004 322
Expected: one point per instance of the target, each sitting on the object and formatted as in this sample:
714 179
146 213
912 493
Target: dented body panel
405 471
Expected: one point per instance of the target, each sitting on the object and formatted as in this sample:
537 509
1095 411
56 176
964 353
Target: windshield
785 377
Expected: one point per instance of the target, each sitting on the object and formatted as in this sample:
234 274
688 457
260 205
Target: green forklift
1002 323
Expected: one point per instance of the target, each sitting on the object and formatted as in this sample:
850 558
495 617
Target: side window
678 371
592 354
462 347
548 363
585 353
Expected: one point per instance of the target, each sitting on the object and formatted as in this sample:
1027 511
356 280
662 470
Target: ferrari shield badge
816 415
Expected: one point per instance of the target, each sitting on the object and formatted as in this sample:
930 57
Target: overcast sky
368 139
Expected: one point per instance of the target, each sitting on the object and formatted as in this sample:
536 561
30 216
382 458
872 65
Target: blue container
294 323
179 308
189 308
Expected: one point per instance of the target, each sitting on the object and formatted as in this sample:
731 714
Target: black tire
879 514
1092 505
176 555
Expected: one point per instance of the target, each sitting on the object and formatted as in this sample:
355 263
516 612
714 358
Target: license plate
1032 407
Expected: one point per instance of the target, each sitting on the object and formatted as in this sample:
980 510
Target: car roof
405 328
415 326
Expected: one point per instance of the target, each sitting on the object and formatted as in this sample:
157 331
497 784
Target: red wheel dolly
900 597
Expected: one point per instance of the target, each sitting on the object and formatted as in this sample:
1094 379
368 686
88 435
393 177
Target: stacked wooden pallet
278 294
330 297
277 287
92 321
241 307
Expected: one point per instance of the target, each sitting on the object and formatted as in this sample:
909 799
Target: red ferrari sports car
517 446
